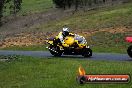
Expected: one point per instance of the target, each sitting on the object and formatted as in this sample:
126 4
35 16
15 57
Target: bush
63 3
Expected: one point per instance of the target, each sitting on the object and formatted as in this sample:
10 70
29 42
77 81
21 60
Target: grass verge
29 72
26 48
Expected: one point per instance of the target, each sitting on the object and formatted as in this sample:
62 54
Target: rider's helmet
65 31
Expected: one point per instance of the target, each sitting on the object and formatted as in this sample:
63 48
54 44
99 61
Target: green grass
29 72
120 15
108 42
27 48
33 6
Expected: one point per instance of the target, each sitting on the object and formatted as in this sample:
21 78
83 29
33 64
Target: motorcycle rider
65 32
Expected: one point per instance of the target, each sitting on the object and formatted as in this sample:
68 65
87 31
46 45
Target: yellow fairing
58 35
50 42
69 40
65 45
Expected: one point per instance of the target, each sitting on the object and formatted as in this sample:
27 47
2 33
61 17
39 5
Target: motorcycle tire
87 52
129 51
57 53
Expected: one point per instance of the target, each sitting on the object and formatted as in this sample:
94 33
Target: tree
63 3
96 1
76 4
1 10
58 3
14 7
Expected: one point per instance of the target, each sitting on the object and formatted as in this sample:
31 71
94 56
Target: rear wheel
87 52
54 50
129 51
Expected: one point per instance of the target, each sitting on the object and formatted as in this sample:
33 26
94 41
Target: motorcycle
129 50
72 46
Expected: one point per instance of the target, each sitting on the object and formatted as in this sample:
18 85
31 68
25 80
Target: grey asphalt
46 54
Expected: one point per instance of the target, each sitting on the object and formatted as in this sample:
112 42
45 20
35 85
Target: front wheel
129 51
87 52
55 50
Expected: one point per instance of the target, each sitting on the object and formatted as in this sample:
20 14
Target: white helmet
65 31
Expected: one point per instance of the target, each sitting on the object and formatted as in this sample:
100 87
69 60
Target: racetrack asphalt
46 54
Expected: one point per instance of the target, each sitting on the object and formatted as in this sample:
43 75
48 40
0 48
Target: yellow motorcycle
72 46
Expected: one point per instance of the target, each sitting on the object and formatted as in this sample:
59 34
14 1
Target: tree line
13 7
77 3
